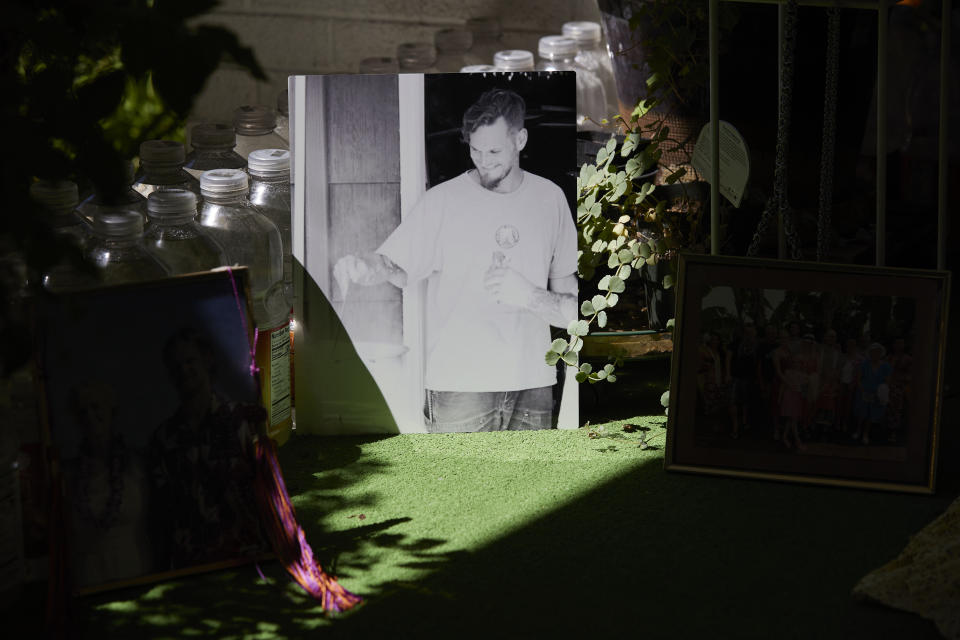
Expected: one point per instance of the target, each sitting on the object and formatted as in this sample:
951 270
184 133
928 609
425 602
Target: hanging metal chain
777 203
829 132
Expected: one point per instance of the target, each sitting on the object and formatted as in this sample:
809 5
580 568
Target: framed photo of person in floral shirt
152 412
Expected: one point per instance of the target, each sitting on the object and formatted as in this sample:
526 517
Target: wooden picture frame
838 381
150 414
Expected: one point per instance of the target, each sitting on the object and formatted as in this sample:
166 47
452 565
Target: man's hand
507 286
367 270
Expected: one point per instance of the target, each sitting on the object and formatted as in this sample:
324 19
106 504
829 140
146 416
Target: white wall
332 36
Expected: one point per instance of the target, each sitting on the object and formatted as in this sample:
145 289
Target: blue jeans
459 411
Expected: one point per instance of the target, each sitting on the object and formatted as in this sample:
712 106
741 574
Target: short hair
494 103
190 336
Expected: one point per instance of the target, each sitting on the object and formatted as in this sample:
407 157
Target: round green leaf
599 302
558 345
602 319
586 309
616 285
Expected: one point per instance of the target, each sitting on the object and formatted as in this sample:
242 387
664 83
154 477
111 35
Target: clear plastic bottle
246 236
558 53
130 198
487 39
283 116
161 167
379 65
213 145
269 171
250 239
594 56
175 238
58 201
452 45
478 68
513 60
117 250
254 125
416 57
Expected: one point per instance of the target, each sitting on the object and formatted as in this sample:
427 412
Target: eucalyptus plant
616 199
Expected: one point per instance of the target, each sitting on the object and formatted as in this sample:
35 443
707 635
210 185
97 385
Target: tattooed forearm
559 309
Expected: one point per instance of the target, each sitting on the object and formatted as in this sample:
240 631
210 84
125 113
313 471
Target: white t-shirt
452 237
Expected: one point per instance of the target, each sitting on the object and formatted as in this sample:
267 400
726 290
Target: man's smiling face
495 152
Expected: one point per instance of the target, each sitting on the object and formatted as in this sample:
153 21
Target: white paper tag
734 161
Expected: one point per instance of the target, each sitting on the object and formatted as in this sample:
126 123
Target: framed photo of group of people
808 372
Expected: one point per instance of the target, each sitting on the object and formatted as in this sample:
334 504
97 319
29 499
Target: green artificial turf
545 534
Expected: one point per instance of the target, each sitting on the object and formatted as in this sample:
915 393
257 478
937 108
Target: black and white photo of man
496 247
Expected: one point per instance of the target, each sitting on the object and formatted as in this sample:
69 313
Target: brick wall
331 36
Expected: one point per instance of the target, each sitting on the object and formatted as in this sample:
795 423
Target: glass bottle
250 239
379 65
452 45
117 250
161 167
416 57
283 116
129 198
513 60
212 149
593 56
487 39
175 238
558 53
254 125
269 171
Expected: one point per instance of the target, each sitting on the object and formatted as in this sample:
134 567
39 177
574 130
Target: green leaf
608 368
665 398
586 367
667 281
611 144
599 302
559 345
625 271
612 300
613 261
552 358
618 192
602 156
604 283
576 344
602 319
580 377
586 309
600 375
644 251
570 358
599 246
616 285
611 378
578 328
625 256
671 323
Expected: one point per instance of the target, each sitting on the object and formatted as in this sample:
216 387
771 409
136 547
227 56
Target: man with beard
497 248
